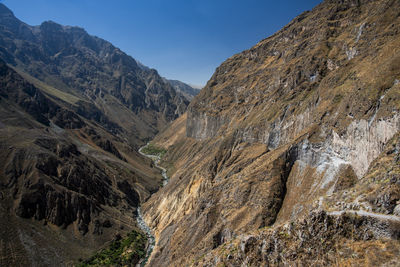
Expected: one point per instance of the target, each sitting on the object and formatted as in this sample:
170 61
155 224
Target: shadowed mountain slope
104 82
67 184
73 111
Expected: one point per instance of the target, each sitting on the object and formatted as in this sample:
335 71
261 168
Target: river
140 221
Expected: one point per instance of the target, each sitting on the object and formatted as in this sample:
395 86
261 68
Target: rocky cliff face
67 185
287 127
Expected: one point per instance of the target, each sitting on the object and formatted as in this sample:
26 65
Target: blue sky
184 40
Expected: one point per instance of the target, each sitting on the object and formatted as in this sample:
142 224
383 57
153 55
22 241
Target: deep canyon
289 156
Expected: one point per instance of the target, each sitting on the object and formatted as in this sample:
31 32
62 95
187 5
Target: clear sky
184 40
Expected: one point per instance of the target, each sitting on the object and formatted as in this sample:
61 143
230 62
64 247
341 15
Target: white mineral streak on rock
396 210
331 65
351 52
360 31
358 147
326 162
362 142
313 77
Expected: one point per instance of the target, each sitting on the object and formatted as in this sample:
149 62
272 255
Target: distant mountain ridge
92 69
187 90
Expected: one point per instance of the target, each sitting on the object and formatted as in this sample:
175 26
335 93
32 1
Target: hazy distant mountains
185 89
188 91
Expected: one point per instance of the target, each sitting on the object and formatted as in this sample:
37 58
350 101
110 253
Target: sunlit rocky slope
290 153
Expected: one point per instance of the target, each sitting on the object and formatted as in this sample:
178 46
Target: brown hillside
285 128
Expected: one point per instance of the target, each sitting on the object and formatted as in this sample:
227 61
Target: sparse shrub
151 149
126 251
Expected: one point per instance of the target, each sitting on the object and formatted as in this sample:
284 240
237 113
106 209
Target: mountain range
289 156
74 110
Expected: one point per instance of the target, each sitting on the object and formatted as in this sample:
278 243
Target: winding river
140 221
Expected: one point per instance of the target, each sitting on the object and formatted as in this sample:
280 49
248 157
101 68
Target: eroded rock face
67 183
62 186
202 126
364 141
60 209
291 125
318 239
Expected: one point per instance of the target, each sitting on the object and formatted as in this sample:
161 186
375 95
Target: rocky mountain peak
74 31
5 11
50 26
8 20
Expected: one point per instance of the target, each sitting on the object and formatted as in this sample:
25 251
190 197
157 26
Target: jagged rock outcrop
289 126
319 239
